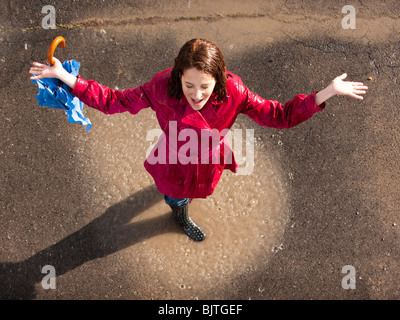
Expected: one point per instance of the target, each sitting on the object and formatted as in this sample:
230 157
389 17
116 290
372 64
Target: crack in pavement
154 20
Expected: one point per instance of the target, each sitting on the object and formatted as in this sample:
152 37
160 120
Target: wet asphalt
62 195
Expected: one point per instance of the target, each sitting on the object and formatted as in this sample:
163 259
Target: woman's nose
198 94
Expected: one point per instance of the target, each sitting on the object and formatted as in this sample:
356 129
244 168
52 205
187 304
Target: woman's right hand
40 71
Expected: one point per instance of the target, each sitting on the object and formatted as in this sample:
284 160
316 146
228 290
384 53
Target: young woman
198 95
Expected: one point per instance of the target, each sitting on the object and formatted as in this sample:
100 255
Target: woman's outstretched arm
272 113
95 95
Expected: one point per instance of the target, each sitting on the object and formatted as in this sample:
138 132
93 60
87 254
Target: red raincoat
193 179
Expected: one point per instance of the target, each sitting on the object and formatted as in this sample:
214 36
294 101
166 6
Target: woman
196 96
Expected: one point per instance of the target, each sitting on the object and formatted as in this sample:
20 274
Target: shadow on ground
105 235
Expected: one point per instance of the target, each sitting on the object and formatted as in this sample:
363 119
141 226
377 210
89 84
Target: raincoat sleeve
111 101
274 114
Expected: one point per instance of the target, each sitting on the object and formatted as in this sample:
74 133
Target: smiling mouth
197 101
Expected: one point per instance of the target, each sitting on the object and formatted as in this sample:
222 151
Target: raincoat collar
203 119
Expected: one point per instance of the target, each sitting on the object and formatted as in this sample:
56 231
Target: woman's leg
176 202
180 213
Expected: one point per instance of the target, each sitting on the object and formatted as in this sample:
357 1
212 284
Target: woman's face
197 86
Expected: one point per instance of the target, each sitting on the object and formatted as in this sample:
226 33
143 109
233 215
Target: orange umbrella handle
57 41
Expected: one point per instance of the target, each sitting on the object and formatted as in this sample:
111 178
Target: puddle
244 219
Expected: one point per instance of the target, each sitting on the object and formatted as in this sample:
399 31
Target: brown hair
203 55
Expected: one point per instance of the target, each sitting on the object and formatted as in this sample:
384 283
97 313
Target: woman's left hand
348 88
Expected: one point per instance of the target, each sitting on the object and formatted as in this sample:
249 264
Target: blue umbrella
54 93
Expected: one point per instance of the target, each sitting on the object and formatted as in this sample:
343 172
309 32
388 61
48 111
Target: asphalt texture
65 193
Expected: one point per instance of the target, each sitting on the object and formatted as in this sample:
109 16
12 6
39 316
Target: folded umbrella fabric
54 93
